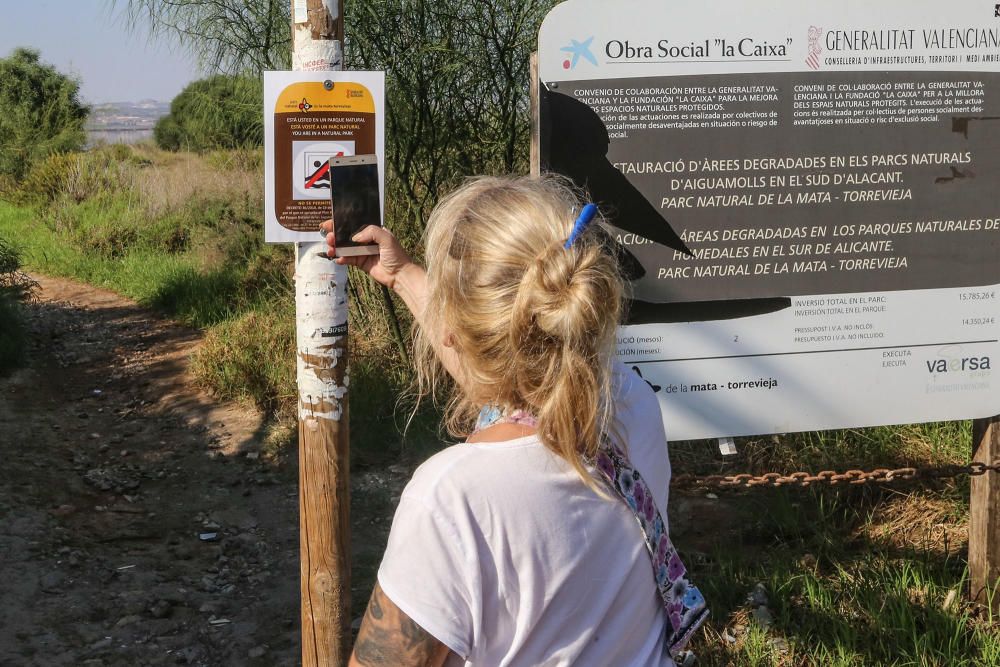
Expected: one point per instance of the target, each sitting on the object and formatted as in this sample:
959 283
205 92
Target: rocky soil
139 524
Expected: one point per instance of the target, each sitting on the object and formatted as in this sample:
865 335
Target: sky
89 39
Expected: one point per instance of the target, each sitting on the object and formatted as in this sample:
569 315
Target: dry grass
173 179
920 522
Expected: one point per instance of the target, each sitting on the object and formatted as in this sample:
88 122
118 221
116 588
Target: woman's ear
449 340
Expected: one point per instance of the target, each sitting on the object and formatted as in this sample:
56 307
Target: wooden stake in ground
534 157
321 339
984 522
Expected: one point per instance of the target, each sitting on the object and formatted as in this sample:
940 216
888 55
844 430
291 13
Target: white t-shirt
501 552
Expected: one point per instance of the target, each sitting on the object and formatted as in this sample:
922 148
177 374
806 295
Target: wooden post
984 520
322 355
535 158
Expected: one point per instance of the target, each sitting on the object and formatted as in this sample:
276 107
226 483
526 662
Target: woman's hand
384 267
396 270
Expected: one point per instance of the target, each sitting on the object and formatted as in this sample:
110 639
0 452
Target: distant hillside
124 122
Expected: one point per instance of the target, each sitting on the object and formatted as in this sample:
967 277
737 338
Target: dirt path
137 525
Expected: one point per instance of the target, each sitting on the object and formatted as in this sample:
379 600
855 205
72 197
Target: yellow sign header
306 97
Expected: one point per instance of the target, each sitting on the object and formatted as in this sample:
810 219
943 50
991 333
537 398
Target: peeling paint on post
321 337
317 44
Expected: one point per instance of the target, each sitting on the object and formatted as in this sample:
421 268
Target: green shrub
269 273
40 112
15 285
167 134
47 178
213 113
106 236
222 231
80 176
252 358
170 233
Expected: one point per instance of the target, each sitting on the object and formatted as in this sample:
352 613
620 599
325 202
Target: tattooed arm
390 637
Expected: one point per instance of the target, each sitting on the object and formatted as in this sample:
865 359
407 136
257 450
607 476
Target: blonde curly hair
533 323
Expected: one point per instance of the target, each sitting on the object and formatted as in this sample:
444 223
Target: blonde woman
531 543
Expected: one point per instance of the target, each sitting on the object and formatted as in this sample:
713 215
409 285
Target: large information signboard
807 196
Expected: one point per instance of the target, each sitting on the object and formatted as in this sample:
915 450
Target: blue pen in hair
582 221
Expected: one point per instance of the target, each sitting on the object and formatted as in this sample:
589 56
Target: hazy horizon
90 41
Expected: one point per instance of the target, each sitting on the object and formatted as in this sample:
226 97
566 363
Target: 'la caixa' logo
576 50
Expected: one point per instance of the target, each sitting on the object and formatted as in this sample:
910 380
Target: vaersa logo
958 364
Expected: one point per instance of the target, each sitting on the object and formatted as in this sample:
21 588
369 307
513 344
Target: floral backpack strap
683 602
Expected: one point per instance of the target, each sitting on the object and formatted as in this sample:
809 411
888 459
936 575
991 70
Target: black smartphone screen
356 204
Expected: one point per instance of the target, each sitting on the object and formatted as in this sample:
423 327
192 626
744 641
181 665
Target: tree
217 112
457 99
227 36
40 112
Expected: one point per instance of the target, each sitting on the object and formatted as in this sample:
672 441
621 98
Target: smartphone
354 193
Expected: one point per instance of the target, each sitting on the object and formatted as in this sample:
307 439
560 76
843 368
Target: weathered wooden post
324 470
984 520
534 156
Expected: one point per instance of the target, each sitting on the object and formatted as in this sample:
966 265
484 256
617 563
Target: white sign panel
310 117
805 196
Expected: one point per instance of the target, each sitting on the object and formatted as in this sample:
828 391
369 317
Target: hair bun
560 295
